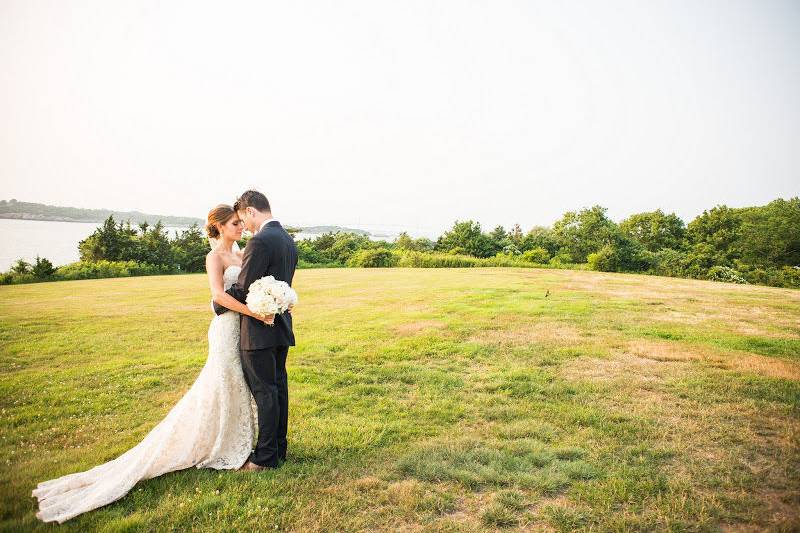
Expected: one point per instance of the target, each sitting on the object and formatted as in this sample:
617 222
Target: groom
271 252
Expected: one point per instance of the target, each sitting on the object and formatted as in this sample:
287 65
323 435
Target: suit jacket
271 252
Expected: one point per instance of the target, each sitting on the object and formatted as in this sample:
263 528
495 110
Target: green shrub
727 274
42 268
791 276
561 258
109 269
14 278
502 260
306 264
309 254
623 255
602 260
787 276
666 262
537 255
467 238
422 260
374 258
446 260
21 267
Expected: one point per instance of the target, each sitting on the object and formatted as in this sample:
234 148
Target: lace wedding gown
212 426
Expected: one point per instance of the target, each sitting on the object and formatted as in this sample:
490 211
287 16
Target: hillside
34 211
429 400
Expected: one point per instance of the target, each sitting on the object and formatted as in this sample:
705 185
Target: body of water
57 241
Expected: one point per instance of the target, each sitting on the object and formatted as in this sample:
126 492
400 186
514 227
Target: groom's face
247 220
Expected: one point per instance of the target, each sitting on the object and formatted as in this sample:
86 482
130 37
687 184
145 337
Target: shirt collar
267 222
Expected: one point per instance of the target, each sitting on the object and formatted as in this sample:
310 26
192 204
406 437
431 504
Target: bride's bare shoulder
214 261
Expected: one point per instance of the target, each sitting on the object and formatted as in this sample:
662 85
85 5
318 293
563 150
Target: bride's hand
266 319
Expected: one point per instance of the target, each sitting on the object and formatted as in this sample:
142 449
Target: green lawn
430 400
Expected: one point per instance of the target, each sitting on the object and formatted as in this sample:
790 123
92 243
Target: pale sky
404 114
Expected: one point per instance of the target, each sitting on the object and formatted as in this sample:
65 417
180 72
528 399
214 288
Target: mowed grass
429 400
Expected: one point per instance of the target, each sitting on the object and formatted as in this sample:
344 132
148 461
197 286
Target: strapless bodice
230 276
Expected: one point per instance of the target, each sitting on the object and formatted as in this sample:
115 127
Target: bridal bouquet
269 296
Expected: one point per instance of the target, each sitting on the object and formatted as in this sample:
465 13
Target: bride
210 427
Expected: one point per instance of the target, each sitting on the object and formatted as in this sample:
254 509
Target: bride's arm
215 269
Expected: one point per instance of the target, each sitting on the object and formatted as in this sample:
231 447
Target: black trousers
265 374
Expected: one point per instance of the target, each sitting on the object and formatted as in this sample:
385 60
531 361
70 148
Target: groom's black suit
271 252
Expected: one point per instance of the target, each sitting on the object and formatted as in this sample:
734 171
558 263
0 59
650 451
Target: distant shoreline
311 230
56 218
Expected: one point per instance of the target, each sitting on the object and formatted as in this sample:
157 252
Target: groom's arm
255 262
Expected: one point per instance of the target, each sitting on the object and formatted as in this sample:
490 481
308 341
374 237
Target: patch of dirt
529 333
766 441
368 483
625 366
743 320
731 360
414 328
706 295
644 360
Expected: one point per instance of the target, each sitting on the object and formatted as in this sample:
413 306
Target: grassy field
429 400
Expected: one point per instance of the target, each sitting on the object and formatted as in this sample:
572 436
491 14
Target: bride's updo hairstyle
219 215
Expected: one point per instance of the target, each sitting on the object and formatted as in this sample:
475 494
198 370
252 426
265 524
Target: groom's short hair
253 199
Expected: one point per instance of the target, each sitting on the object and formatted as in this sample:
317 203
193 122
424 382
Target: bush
43 268
309 254
189 250
348 244
723 273
305 264
666 262
375 258
421 260
700 259
623 255
14 278
584 232
602 260
446 260
560 259
791 276
109 269
21 267
502 260
537 255
467 237
787 276
24 272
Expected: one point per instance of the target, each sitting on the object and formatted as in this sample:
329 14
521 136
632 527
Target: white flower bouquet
269 296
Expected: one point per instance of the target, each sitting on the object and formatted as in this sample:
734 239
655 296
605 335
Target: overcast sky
403 114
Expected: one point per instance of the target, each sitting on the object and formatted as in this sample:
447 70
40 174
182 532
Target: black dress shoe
251 467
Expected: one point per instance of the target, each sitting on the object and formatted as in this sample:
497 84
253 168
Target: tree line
758 245
119 249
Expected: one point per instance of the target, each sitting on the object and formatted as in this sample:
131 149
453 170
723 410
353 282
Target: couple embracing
212 425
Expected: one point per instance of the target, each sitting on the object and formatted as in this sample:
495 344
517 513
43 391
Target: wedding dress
212 426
